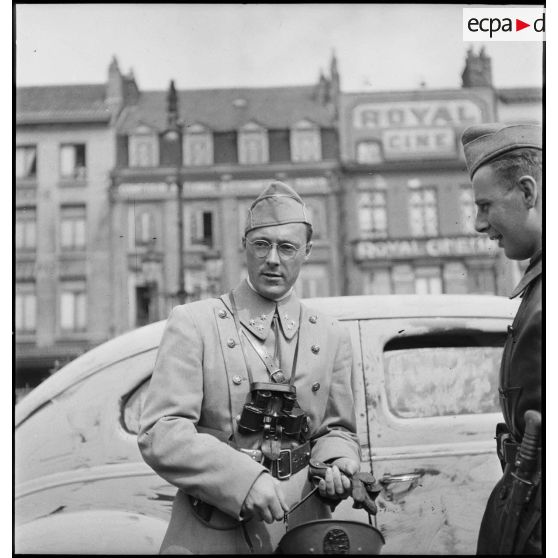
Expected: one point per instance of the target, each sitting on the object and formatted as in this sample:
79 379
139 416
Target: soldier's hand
337 482
265 500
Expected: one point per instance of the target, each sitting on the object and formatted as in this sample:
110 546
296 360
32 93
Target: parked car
425 380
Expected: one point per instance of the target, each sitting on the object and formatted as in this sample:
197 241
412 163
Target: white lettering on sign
146 188
402 143
311 182
412 114
366 250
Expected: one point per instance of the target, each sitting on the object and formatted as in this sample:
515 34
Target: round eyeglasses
286 251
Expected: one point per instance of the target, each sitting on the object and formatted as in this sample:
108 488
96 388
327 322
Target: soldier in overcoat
235 484
505 165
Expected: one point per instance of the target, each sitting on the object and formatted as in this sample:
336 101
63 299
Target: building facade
408 206
189 164
129 202
65 148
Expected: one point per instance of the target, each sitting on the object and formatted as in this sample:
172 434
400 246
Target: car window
443 381
133 406
440 375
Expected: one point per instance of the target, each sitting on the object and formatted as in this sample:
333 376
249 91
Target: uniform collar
256 312
532 272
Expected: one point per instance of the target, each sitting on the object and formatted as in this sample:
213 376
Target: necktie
279 375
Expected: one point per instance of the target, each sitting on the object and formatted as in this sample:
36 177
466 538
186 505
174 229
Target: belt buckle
280 462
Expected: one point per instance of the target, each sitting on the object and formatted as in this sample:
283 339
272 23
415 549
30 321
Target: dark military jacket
520 390
521 371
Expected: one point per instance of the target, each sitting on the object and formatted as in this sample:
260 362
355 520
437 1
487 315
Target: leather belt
289 462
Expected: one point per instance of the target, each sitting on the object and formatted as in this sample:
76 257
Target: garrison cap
484 142
278 204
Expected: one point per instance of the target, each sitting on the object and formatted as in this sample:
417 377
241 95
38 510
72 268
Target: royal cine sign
367 250
415 129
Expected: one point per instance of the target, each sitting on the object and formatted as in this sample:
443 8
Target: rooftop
229 109
61 103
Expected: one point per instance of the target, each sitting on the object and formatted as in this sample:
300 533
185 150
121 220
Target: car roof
364 307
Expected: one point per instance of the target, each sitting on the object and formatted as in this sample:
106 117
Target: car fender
91 532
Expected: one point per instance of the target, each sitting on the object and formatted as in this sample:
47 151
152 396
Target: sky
379 46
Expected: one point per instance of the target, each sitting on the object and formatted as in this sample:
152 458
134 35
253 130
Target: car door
430 386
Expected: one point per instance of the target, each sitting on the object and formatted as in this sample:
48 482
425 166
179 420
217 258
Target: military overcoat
520 390
200 384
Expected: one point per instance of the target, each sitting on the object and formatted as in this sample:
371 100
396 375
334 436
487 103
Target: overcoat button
316 386
222 313
313 319
231 343
315 349
237 380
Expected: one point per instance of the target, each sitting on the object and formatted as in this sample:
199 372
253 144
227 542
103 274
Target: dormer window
253 145
306 144
143 147
198 146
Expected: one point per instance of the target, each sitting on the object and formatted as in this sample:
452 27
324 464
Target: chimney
115 87
172 107
478 69
321 92
131 95
334 85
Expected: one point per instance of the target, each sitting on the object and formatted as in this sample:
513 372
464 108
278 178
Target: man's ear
308 250
244 242
530 190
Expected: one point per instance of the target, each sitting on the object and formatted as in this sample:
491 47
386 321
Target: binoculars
274 405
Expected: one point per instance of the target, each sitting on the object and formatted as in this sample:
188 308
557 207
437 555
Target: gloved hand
342 478
334 478
365 489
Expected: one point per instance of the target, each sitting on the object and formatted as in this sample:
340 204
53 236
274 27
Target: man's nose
481 224
273 255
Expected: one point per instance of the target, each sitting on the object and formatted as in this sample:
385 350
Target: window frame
196 222
25 290
26 229
301 134
362 205
250 133
76 289
74 225
32 175
197 135
379 154
78 172
421 210
143 136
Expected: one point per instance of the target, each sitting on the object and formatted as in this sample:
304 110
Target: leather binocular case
273 405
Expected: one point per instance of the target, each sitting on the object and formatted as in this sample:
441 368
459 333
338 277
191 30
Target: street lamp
172 137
